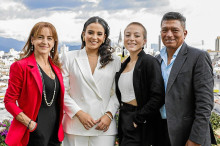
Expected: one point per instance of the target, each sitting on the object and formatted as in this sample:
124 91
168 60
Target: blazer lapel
35 72
136 79
84 67
99 72
159 58
117 76
118 93
178 63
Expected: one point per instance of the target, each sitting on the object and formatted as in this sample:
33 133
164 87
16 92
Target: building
155 47
159 42
119 46
217 44
63 49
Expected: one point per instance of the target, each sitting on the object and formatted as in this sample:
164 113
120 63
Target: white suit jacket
93 94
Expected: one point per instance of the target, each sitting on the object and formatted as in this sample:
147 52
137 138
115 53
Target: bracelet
35 126
29 124
109 116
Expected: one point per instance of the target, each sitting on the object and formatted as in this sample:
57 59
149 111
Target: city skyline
69 16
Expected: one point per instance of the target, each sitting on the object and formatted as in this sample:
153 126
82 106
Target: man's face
172 34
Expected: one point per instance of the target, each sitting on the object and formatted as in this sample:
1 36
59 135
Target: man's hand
191 143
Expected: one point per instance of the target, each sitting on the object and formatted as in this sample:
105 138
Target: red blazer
24 94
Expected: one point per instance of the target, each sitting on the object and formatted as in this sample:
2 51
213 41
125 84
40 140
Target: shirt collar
177 51
163 51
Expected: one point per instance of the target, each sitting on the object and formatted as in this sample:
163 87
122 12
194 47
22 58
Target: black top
48 116
49 88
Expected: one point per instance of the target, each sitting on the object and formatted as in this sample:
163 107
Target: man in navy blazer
188 79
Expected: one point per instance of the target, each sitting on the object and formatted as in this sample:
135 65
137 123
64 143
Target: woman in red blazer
35 91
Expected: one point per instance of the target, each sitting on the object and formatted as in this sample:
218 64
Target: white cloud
16 19
201 21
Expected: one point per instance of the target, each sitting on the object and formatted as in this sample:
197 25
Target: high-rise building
155 47
159 43
120 38
217 44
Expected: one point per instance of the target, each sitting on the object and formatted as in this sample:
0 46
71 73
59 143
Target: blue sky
68 16
111 5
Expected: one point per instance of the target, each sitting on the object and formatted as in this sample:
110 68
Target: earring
103 41
123 52
32 48
52 50
83 39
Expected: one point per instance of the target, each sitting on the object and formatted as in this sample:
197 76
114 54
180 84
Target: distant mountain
8 43
72 46
77 47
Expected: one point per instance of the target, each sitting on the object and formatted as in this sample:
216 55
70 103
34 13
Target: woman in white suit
90 102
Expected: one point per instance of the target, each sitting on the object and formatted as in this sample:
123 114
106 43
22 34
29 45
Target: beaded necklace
44 91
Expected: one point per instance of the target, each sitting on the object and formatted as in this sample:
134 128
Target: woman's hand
135 125
104 122
87 121
24 119
32 126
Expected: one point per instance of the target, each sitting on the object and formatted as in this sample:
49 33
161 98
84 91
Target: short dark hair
174 16
141 25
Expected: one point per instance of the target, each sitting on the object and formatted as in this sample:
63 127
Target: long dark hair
105 50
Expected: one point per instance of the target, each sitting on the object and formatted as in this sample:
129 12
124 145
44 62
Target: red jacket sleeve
14 89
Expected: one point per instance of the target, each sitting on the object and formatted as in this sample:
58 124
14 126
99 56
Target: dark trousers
131 136
163 136
40 139
44 134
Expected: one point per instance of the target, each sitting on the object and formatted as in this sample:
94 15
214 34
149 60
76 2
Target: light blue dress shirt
166 73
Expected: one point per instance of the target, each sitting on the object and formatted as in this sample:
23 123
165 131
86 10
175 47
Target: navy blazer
149 93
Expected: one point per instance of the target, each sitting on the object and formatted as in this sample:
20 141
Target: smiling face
94 36
134 38
43 42
172 34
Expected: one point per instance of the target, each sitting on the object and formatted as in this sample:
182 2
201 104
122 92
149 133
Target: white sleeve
70 106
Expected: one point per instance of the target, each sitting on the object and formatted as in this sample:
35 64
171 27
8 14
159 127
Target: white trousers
78 140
